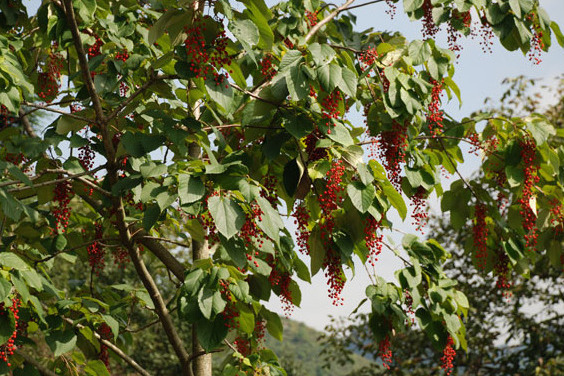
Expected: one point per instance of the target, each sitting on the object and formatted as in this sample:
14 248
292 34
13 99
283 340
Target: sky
478 76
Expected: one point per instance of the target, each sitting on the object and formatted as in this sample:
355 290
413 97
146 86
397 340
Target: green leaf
290 59
316 250
66 124
159 28
412 5
298 125
5 289
419 52
246 32
349 82
330 76
339 133
515 7
212 333
271 222
220 92
13 261
61 342
113 324
322 54
361 195
190 188
293 171
246 320
273 323
557 33
96 368
150 216
227 215
7 326
10 206
297 83
139 144
205 302
86 9
366 176
395 199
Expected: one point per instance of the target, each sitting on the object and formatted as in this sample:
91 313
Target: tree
251 125
514 327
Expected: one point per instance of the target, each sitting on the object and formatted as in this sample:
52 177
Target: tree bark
201 365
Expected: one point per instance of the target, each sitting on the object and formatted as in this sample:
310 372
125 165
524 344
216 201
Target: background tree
514 326
170 133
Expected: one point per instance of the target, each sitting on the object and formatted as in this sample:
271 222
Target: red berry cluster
486 35
391 151
557 220
430 29
367 58
250 230
268 70
301 219
330 105
210 231
392 8
8 348
330 198
204 58
230 313
96 251
373 241
385 352
334 274
420 209
269 190
6 118
289 43
122 56
282 280
94 50
311 18
62 211
121 257
452 39
49 79
243 345
409 309
529 218
434 112
260 332
314 153
501 270
86 157
475 144
537 45
480 235
448 356
105 332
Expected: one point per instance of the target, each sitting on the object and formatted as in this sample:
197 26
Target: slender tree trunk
201 365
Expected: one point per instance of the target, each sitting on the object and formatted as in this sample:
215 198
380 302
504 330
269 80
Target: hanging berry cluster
301 219
392 8
391 151
311 18
61 211
480 235
269 190
501 270
8 348
373 241
210 230
410 313
486 35
96 251
259 332
420 209
105 332
48 79
86 157
434 112
267 69
94 50
243 345
330 105
528 154
6 119
205 59
230 313
314 153
251 233
537 45
430 29
282 280
385 352
557 217
448 356
367 58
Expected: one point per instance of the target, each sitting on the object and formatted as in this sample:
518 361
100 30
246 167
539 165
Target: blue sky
478 75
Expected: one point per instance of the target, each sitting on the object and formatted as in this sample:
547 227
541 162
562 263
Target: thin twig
57 111
363 5
168 241
456 170
255 96
324 21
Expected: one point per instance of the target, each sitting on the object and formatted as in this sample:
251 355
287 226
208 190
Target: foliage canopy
249 107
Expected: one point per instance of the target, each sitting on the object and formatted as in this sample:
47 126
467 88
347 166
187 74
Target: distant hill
299 353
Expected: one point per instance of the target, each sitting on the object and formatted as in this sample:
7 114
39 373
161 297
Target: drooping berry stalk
480 235
430 29
501 270
105 333
527 200
282 280
372 239
330 105
268 70
434 112
391 151
61 211
301 219
96 251
385 352
420 209
448 356
7 349
311 18
537 45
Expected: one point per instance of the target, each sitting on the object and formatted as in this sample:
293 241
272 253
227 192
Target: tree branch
161 252
57 111
114 348
324 21
31 360
51 182
363 5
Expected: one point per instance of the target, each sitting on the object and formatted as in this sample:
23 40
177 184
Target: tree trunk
201 365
